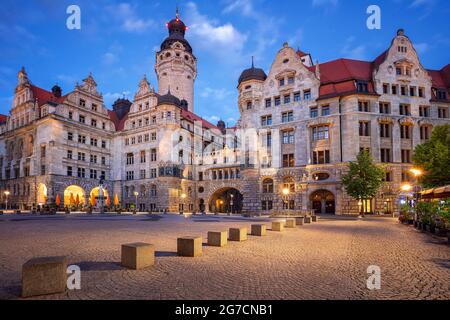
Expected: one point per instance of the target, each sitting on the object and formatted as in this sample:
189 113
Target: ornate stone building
300 125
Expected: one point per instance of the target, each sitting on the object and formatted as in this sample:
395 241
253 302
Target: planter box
441 232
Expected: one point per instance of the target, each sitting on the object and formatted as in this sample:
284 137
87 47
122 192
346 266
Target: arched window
288 183
267 185
142 191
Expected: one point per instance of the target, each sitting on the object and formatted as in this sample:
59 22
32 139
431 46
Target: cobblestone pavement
325 260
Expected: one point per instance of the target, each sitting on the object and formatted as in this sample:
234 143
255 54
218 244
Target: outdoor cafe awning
437 193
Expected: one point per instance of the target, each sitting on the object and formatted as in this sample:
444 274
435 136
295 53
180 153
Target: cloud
426 7
128 19
208 34
243 6
353 51
109 98
217 94
109 58
421 47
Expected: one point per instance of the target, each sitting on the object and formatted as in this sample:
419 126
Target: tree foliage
434 157
364 178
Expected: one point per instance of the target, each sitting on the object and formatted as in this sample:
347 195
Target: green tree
434 157
364 178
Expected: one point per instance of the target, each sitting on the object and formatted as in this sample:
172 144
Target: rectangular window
142 174
403 90
288 160
143 157
153 155
277 101
82 119
406 156
424 111
82 103
443 113
281 82
153 173
363 106
291 80
325 110
385 108
441 95
104 161
412 91
362 86
421 92
321 157
288 137
93 123
425 132
93 158
268 103
394 89
69 171
385 155
94 142
130 175
287 116
385 88
69 154
70 136
287 99
81 156
320 133
307 95
267 205
130 158
93 174
297 97
364 129
81 139
314 112
70 115
266 120
81 172
405 110
385 130
405 132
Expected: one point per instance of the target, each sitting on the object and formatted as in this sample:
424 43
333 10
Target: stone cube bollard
238 234
300 221
308 219
278 226
137 256
314 218
290 223
259 230
46 275
189 246
217 238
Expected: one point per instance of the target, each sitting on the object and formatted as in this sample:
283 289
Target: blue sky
118 39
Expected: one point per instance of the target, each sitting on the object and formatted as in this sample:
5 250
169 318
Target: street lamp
136 194
231 203
7 193
285 193
406 187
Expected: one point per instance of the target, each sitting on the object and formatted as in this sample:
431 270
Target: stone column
396 142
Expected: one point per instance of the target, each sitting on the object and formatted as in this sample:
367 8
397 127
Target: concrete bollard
138 256
189 246
307 219
277 226
259 230
300 221
217 238
238 234
314 218
290 223
46 275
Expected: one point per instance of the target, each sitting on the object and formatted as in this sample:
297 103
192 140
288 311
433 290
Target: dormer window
362 86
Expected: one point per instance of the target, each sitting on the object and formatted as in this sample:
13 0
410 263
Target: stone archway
74 196
226 200
42 194
323 202
94 195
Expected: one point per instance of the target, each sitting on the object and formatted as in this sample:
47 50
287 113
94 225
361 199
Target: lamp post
231 203
101 195
7 193
285 193
136 194
183 197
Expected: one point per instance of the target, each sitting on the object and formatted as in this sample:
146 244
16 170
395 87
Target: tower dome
252 74
177 30
169 99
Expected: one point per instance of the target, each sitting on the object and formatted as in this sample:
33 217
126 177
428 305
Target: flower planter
441 232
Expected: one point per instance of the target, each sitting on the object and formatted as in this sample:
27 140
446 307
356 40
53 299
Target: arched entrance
42 194
227 200
74 196
323 202
93 197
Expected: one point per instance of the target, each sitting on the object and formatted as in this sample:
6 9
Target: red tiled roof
43 96
118 123
300 53
3 118
193 117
